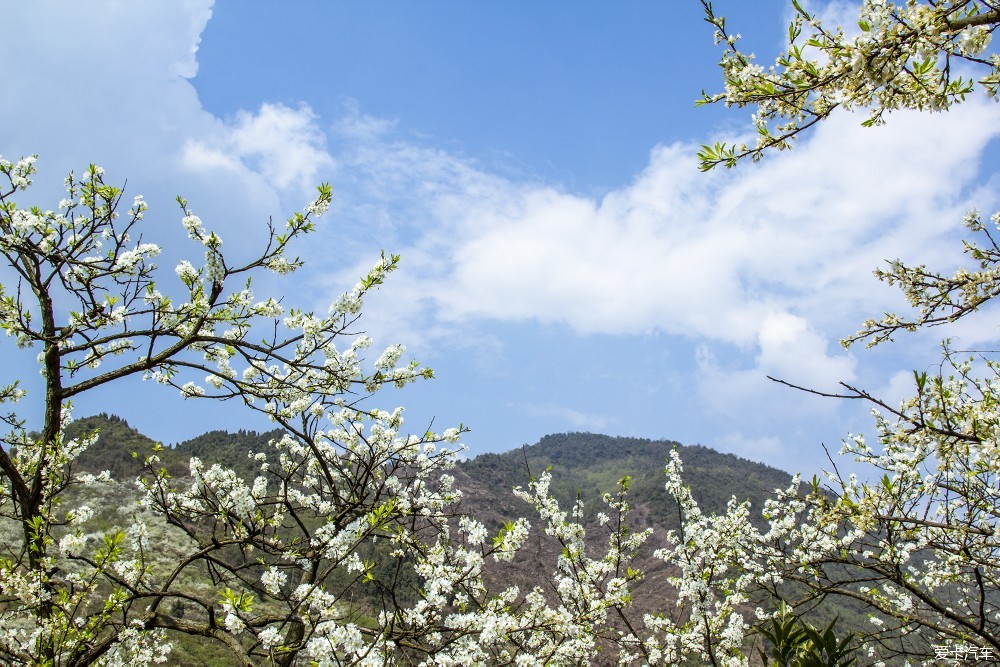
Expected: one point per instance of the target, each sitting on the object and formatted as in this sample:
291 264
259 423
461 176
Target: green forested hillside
116 443
587 465
583 465
230 449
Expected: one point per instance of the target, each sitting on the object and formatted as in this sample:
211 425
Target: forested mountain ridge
118 441
588 465
584 465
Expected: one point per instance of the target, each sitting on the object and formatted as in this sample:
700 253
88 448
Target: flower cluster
904 56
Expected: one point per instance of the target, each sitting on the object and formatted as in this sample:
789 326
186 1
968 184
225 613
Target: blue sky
565 265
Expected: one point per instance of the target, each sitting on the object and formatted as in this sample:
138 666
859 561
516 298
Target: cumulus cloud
730 257
284 145
754 448
570 418
101 84
107 92
790 348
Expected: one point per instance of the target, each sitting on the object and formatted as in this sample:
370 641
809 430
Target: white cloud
197 156
355 124
102 83
791 350
715 256
765 267
763 448
572 419
113 86
901 386
284 145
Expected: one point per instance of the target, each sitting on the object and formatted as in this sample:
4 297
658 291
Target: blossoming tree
268 567
919 544
915 55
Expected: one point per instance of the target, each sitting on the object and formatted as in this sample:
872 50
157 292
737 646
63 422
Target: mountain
583 465
588 465
117 442
230 449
